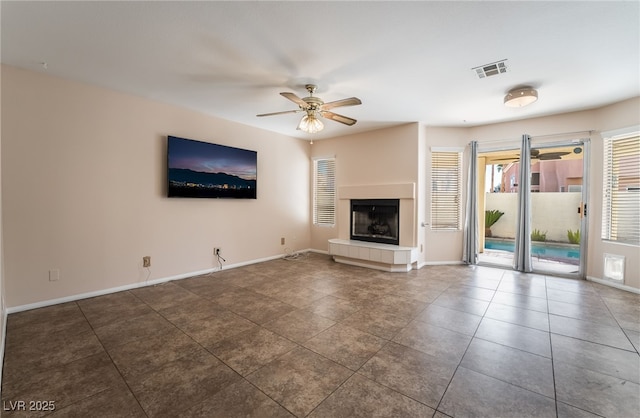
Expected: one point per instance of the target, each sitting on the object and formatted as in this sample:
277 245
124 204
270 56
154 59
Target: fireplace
375 220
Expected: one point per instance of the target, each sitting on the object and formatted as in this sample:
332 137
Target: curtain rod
534 137
497 140
563 134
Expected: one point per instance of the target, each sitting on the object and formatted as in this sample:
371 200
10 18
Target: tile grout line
192 339
297 346
466 349
514 348
111 359
553 368
221 360
244 378
386 344
617 322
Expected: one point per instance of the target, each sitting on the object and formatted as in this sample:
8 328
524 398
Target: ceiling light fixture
310 123
520 97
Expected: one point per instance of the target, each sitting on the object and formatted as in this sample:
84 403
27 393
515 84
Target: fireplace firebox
375 220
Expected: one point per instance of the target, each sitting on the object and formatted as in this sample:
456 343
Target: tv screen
202 169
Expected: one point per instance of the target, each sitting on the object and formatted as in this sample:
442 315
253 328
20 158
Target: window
535 179
621 198
324 192
446 189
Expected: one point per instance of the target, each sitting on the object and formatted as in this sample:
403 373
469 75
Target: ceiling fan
535 154
556 155
313 107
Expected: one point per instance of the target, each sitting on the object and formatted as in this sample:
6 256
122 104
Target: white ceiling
406 61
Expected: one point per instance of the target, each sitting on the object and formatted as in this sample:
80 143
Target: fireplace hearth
375 220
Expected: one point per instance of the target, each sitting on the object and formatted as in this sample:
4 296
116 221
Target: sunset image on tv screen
202 169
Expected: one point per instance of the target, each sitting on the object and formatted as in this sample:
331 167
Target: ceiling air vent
493 68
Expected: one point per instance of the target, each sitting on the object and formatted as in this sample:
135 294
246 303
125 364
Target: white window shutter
621 189
324 192
446 190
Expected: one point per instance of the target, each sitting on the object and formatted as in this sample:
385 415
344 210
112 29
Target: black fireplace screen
375 220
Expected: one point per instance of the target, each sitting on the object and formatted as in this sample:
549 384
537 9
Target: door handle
582 209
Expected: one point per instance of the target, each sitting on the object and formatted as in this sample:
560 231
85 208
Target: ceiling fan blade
553 155
352 101
338 118
280 113
295 99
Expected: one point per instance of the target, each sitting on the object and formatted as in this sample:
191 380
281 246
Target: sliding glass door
498 205
555 196
558 208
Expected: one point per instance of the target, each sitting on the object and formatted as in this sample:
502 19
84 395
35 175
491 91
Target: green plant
574 237
491 217
536 235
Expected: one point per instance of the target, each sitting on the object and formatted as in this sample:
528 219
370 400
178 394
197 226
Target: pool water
539 249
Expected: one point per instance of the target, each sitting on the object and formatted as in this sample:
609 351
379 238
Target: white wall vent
614 267
488 70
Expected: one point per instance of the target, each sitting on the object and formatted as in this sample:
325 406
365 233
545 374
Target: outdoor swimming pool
562 253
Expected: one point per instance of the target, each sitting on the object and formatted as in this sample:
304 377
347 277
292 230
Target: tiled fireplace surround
385 257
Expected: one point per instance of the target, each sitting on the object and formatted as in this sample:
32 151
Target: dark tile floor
310 337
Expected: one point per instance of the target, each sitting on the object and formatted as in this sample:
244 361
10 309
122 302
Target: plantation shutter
446 189
324 192
621 189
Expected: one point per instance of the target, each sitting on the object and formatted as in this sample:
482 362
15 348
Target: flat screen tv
202 169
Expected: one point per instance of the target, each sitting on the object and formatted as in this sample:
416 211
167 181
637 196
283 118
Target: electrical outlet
54 275
282 241
216 250
146 261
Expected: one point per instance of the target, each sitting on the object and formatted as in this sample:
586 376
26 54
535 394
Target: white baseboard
80 296
443 263
610 283
422 264
131 286
313 250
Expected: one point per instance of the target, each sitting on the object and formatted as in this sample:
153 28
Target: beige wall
446 246
83 191
82 172
616 116
385 156
392 156
443 246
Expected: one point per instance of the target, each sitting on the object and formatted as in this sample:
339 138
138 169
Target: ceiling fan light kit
315 107
310 124
520 97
